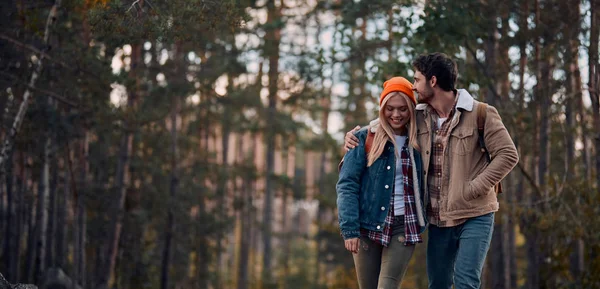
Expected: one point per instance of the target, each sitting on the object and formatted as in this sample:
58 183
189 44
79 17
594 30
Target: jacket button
383 208
378 227
387 187
427 152
388 167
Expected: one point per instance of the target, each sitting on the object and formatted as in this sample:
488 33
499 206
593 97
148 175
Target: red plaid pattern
411 227
434 179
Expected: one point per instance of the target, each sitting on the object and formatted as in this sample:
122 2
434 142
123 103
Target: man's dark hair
439 65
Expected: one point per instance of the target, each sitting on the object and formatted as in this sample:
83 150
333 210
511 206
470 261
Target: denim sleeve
348 189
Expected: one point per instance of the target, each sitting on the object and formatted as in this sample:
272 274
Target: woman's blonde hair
384 131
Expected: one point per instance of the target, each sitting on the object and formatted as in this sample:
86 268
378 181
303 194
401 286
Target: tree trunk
594 80
520 192
272 40
9 237
42 213
32 237
77 184
573 88
52 215
246 213
507 216
20 212
170 230
122 177
545 82
202 245
222 180
490 44
533 250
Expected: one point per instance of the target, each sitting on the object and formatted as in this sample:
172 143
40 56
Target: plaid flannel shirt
434 179
411 226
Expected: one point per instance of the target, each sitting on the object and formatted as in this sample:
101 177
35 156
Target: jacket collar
465 101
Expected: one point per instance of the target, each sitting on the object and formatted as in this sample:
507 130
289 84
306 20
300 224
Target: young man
460 194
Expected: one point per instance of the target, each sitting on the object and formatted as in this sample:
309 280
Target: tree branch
32 48
49 93
133 5
47 56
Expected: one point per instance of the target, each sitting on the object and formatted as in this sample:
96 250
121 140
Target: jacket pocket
469 193
463 141
377 168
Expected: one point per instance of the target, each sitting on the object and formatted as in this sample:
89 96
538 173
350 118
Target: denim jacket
363 193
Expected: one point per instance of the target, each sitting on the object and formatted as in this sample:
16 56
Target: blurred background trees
194 143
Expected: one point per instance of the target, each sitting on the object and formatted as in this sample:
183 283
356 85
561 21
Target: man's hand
350 140
352 245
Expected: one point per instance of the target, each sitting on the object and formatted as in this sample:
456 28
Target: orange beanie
398 84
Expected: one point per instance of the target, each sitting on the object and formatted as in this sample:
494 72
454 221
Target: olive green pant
379 267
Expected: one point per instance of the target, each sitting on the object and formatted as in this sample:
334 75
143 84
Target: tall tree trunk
9 237
247 211
32 237
507 217
573 88
42 213
520 188
546 80
170 229
490 47
202 244
223 179
594 79
285 220
77 183
122 177
52 197
272 40
245 221
52 213
533 250
20 212
498 67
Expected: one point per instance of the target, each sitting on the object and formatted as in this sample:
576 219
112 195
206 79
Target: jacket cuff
350 234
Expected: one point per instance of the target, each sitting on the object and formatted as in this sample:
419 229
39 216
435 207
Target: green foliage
194 52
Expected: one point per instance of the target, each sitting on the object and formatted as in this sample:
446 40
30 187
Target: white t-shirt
398 181
441 121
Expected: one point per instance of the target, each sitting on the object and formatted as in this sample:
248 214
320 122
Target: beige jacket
468 180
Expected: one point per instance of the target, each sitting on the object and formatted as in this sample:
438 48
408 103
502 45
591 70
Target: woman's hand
352 245
350 140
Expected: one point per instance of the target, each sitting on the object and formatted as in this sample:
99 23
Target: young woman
380 200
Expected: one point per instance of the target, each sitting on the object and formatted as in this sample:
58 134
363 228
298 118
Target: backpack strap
481 115
368 144
369 141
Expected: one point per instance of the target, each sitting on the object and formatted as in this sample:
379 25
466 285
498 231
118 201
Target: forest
194 143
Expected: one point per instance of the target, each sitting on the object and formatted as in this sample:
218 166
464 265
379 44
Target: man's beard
426 96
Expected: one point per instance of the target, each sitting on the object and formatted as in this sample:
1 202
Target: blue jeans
456 254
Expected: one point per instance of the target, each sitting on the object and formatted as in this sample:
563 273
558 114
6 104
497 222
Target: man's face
422 87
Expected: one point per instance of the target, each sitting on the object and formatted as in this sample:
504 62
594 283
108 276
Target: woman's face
397 114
